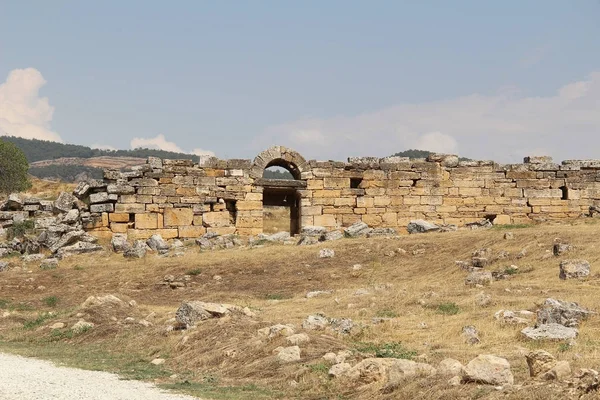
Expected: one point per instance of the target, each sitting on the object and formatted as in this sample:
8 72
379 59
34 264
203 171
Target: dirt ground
412 282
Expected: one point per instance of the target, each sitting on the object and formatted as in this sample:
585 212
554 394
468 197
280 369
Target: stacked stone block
178 198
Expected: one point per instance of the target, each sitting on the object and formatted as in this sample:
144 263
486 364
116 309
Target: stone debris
562 312
539 362
489 370
574 269
288 354
552 331
479 278
561 248
49 263
357 229
522 317
326 253
421 226
470 335
277 330
449 367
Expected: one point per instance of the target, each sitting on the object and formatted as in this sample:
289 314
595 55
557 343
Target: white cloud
23 112
504 126
161 143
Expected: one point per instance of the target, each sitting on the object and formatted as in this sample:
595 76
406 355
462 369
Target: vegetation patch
448 308
41 318
50 301
20 229
211 391
386 350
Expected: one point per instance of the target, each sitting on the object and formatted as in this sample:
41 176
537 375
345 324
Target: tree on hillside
13 169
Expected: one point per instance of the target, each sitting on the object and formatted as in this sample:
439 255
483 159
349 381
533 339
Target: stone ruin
183 199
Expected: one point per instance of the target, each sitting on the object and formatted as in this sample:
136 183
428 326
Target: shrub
387 350
447 308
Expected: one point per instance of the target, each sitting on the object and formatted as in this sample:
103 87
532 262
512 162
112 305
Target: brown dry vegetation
46 189
273 281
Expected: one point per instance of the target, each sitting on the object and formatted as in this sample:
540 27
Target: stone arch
279 156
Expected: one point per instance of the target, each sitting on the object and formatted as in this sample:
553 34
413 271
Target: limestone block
178 216
432 200
143 182
153 191
380 191
389 219
145 199
222 230
186 191
502 220
350 219
325 220
345 201
130 208
146 221
216 219
249 205
469 191
191 231
101 208
249 221
315 184
381 201
253 197
118 217
410 200
557 193
327 193
117 227
373 220
365 202
312 210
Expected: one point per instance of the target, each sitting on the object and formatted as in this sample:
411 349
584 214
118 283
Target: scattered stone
449 367
64 202
522 254
82 326
49 263
382 232
157 243
559 372
191 312
561 248
4 266
313 231
333 235
119 243
357 229
479 262
574 269
470 334
483 299
57 325
326 253
108 300
158 361
288 354
343 326
513 318
338 370
421 226
455 381
481 224
316 322
551 331
78 248
297 339
509 236
539 362
277 330
478 278
488 369
562 312
27 258
138 250
401 369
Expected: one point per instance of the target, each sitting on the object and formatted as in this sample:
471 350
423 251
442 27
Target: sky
331 79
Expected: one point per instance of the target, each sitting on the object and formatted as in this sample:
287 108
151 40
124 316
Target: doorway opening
281 210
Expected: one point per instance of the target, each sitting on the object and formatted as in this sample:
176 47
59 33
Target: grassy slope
226 359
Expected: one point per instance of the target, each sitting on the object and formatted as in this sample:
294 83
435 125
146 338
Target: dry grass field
411 281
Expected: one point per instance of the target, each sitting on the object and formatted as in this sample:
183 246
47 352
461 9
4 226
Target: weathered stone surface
562 312
101 208
277 330
64 202
333 235
120 189
478 278
400 370
14 202
514 318
574 269
550 331
79 248
178 216
470 334
138 250
421 226
357 229
217 219
312 230
157 243
560 372
191 312
488 369
297 339
288 354
326 253
539 362
119 243
449 367
561 248
338 370
316 322
4 266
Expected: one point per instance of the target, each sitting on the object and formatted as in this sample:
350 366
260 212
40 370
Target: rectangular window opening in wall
131 217
565 193
355 183
230 205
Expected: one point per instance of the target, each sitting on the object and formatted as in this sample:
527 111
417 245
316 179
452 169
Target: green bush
447 308
19 229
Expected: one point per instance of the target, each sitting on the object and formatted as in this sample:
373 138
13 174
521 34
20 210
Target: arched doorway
279 171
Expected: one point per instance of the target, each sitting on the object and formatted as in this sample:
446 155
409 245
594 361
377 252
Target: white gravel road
30 379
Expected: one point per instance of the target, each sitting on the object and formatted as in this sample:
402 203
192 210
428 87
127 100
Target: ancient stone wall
177 198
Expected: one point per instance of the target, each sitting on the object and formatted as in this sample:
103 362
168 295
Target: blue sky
330 79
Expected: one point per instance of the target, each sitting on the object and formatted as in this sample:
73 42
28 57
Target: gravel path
27 378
